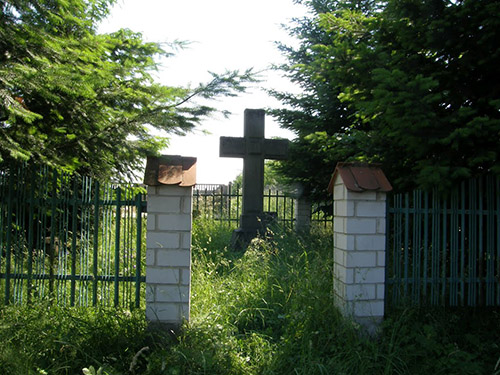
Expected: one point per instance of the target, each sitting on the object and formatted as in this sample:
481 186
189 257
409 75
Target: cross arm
276 149
232 147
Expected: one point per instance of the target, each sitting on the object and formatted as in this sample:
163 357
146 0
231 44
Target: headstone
254 149
302 214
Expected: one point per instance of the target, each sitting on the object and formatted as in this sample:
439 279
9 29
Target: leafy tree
409 84
73 98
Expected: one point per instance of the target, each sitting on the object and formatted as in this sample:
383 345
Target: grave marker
254 149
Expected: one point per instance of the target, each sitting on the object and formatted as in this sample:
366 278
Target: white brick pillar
168 240
359 193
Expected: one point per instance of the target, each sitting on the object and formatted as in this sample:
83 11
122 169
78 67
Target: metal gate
70 239
223 203
445 249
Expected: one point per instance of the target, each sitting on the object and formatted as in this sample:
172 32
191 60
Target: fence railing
445 250
70 239
224 203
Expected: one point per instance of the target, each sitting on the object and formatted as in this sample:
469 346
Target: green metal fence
70 239
445 250
224 203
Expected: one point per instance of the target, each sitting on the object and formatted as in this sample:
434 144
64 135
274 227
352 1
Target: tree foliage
84 101
409 84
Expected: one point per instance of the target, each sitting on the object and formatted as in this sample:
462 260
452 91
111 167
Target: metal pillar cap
359 177
170 170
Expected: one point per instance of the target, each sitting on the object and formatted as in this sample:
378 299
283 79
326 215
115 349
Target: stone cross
253 148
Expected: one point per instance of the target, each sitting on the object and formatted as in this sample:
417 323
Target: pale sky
224 34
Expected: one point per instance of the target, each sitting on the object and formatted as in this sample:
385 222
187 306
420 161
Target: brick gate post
170 181
359 194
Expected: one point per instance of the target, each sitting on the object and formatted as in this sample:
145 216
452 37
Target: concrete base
242 237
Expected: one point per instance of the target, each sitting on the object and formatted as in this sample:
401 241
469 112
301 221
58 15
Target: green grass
268 310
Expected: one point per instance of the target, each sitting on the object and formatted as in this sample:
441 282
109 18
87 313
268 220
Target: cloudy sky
224 34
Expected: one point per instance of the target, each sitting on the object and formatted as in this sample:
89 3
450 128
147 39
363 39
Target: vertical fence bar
230 194
416 244
480 257
471 301
213 196
84 245
222 198
454 261
17 292
68 238
205 201
267 198
10 201
444 249
284 207
462 244
435 249
74 222
95 254
14 239
497 195
197 201
3 213
64 229
84 242
490 242
138 245
42 224
106 234
426 245
130 249
406 242
52 232
117 246
31 235
397 248
124 245
237 201
60 275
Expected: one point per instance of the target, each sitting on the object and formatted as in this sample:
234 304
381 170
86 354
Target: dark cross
253 148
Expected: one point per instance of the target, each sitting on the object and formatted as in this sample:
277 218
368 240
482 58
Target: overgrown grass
44 338
268 310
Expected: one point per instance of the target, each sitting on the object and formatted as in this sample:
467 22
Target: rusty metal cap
359 177
170 170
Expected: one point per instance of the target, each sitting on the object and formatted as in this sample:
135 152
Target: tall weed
268 310
63 340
